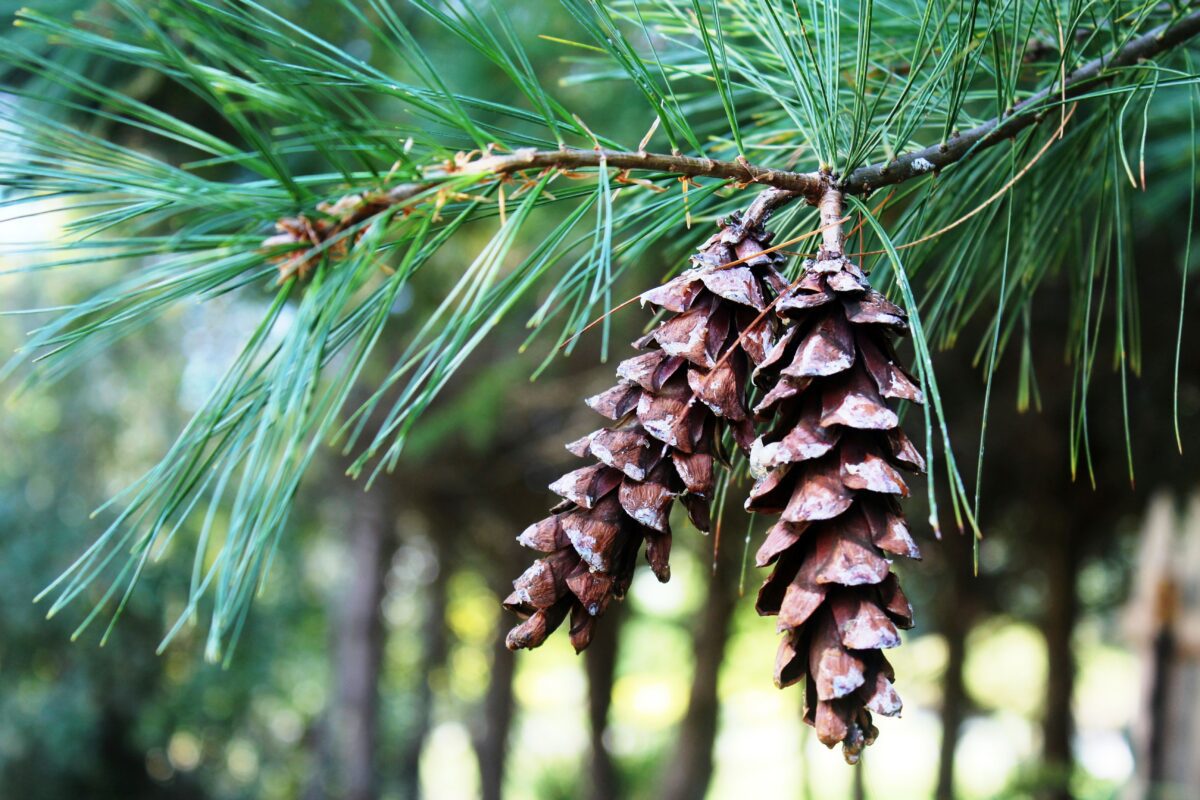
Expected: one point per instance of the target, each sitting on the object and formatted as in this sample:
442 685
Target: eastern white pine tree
967 150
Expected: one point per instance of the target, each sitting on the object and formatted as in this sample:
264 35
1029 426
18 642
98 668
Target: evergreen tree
956 155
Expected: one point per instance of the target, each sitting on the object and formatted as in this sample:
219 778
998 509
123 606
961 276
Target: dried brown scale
669 409
329 234
831 467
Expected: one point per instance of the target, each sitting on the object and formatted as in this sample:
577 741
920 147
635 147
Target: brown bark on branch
529 158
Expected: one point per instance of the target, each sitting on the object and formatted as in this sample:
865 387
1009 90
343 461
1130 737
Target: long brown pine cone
669 409
829 465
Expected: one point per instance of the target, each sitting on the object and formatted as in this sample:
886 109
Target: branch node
830 206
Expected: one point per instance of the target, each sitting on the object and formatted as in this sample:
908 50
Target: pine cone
669 410
830 466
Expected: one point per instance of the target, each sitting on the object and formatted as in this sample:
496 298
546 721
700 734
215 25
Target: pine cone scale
819 492
827 349
854 402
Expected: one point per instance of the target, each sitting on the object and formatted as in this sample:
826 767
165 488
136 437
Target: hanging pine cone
829 465
669 410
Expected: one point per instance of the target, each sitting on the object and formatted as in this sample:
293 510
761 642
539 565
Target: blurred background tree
150 147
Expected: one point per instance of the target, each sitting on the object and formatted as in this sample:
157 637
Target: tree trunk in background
860 780
600 661
495 716
957 617
688 771
1062 611
359 641
322 764
435 644
954 701
124 774
1162 622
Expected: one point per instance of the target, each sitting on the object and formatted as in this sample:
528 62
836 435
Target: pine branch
287 99
686 166
354 210
810 185
1024 114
